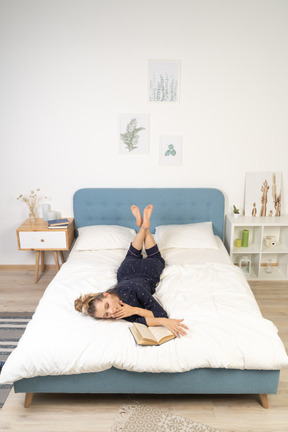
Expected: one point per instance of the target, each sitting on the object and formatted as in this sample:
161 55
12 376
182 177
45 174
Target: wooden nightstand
37 236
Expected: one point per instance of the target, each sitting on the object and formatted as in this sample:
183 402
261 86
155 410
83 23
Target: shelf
259 221
251 276
246 250
275 249
257 251
275 275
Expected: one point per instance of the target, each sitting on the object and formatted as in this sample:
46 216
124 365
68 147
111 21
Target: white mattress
226 328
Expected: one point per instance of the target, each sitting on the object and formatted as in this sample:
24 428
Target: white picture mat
164 81
167 156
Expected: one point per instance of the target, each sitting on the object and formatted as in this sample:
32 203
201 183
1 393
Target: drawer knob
42 240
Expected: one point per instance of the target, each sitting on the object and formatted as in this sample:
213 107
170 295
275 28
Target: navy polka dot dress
137 279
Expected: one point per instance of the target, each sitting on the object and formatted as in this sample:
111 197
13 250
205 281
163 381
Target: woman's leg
149 241
150 268
138 241
143 235
136 212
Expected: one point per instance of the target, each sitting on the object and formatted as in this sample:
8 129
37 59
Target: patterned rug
12 326
143 418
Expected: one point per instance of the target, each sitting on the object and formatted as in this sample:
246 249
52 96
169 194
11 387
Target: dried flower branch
31 201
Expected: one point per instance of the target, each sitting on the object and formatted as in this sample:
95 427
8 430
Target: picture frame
171 150
164 81
263 194
134 132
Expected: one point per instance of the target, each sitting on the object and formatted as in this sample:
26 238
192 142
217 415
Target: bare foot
146 216
136 212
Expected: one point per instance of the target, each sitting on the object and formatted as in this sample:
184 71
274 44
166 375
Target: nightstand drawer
42 240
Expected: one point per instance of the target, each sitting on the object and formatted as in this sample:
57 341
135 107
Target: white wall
69 67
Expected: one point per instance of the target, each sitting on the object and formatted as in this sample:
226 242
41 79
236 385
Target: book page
144 331
160 332
136 335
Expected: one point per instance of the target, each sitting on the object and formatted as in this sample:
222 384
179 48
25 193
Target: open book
150 335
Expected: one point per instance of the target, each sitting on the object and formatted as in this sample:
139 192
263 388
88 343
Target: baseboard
24 266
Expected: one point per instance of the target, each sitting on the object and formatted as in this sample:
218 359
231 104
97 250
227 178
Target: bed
242 369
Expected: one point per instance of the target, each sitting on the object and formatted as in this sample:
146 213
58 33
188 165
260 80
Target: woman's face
107 307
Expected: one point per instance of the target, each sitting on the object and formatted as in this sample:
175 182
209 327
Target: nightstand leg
42 261
62 257
56 261
37 266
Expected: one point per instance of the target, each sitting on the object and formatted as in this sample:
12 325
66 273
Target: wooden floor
95 413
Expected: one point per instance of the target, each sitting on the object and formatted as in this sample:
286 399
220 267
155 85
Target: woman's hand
125 311
175 326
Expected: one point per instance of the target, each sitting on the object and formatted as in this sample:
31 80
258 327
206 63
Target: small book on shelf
150 335
58 223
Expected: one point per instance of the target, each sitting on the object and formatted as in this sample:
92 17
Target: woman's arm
174 325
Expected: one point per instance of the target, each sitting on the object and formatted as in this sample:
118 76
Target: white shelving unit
257 252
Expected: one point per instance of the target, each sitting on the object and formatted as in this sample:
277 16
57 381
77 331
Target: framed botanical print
133 133
164 81
171 150
263 194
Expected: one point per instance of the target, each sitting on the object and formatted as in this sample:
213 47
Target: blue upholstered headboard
111 206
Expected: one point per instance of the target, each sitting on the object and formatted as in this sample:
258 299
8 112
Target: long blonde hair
87 303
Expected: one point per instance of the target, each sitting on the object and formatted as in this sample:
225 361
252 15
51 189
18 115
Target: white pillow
187 236
104 237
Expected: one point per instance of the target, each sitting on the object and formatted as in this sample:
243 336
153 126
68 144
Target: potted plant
235 211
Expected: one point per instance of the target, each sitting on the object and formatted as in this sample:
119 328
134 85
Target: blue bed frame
110 206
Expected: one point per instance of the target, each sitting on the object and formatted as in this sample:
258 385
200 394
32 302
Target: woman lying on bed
132 298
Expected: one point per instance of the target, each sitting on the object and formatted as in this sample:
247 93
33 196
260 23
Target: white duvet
226 328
